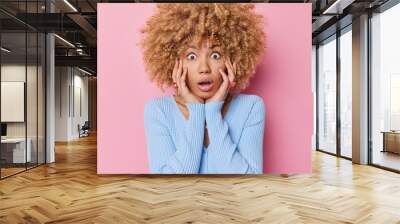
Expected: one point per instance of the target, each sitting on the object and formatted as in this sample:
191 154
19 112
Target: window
327 95
385 89
346 93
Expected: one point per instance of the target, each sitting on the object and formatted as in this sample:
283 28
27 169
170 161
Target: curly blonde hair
235 27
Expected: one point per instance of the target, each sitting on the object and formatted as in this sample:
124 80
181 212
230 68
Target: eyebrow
212 46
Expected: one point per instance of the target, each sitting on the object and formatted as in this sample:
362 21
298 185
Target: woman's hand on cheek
231 72
228 82
222 92
180 73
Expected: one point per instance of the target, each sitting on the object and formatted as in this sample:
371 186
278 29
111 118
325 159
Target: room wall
70 109
62 80
17 73
80 109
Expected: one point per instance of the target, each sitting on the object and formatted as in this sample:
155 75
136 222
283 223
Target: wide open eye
215 55
191 56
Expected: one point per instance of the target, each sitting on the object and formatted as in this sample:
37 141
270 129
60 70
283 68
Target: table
391 141
15 148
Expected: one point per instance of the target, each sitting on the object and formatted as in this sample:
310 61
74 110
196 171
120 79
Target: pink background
283 80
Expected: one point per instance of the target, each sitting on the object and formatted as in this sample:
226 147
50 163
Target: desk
391 141
15 148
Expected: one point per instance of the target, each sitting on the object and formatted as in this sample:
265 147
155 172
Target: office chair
84 130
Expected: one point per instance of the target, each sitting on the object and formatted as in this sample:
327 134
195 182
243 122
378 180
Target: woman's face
203 63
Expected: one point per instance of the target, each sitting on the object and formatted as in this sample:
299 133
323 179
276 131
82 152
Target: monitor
3 129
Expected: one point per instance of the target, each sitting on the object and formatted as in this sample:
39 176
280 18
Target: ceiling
76 22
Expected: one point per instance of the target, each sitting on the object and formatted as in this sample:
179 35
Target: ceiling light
338 6
70 5
64 40
5 50
84 71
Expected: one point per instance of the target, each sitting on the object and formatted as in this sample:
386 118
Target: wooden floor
9 171
70 191
387 159
5 172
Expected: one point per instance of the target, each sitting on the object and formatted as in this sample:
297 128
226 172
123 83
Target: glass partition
22 77
14 153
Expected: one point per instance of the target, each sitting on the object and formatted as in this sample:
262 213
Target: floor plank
70 191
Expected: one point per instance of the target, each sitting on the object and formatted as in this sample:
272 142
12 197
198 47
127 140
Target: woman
207 52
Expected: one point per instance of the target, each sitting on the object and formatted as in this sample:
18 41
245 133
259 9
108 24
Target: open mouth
205 85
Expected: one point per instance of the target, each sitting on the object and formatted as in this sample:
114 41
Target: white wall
62 81
70 84
12 73
33 127
16 72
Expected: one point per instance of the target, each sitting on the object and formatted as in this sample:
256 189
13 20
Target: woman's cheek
191 82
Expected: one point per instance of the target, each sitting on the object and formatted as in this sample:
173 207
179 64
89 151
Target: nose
204 68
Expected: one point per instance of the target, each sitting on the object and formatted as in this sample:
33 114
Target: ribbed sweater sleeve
183 156
224 155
